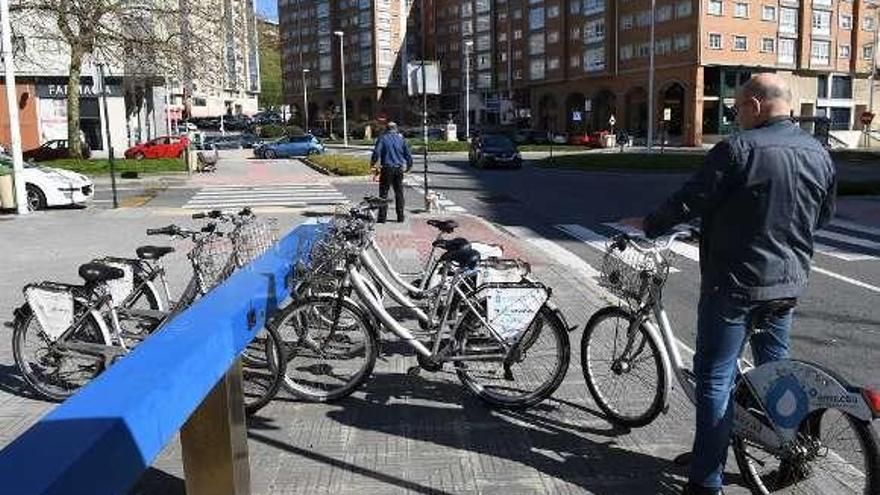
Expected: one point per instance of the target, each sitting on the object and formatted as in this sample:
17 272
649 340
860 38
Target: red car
161 147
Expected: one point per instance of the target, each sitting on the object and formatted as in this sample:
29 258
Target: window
664 13
821 22
868 24
788 20
553 37
536 18
574 8
768 13
768 45
867 52
626 52
593 6
785 51
822 87
663 46
741 9
553 63
594 30
574 61
715 7
536 69
536 44
594 59
715 41
682 42
845 21
820 53
740 43
575 33
841 87
553 11
626 22
843 51
517 34
644 50
683 9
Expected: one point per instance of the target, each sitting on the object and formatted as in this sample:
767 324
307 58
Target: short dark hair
754 88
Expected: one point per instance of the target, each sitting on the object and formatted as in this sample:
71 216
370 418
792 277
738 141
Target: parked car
579 139
230 142
186 127
494 149
52 150
161 147
292 146
259 145
530 136
47 186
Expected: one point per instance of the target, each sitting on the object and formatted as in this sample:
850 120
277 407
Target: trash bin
609 141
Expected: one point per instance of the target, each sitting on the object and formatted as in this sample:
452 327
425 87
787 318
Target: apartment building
570 65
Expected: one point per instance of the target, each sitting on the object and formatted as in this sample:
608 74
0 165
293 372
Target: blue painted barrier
100 440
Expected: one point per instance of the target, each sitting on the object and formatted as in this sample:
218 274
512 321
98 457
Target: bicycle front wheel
526 375
262 370
329 346
834 453
623 369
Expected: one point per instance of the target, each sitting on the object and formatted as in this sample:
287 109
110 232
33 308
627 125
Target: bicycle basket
253 239
624 270
52 306
211 262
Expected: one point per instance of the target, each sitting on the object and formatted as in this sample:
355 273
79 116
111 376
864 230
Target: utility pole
424 32
651 105
107 132
344 105
12 105
305 100
873 7
467 89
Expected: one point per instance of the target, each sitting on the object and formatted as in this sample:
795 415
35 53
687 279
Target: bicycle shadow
12 382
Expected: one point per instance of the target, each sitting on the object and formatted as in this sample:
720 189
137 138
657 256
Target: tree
138 37
270 65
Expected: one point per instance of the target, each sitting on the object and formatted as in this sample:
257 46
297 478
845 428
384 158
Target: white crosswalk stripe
293 195
593 239
848 245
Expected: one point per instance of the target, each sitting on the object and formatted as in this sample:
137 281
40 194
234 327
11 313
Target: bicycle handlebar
169 230
638 242
220 215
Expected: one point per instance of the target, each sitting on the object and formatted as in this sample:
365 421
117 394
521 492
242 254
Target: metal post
305 100
873 76
651 79
12 105
342 67
425 103
214 441
107 132
467 85
167 106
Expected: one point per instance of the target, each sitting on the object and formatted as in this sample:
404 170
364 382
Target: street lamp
12 106
340 34
467 89
305 99
872 6
651 108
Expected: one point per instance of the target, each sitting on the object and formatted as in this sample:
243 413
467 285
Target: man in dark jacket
761 196
393 153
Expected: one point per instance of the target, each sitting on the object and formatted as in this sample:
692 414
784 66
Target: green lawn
555 147
625 161
102 166
435 146
342 164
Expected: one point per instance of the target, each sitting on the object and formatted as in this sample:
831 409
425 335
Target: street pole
305 101
344 109
12 105
651 79
424 31
167 106
107 133
467 85
873 76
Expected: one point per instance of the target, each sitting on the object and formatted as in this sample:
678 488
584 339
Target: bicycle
497 324
629 351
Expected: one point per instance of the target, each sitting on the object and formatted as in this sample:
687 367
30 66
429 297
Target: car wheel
139 156
36 200
269 154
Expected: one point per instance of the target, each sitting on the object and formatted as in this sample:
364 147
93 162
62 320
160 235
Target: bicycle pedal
413 371
508 374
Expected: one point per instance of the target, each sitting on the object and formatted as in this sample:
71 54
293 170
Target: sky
269 8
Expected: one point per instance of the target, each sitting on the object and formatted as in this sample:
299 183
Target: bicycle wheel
329 345
531 371
262 373
629 386
52 373
136 328
834 453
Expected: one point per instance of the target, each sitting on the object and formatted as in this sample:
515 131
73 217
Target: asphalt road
837 322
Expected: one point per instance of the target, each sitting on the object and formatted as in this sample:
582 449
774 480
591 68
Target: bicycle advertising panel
511 308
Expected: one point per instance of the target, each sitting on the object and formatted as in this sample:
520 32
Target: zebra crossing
842 240
287 195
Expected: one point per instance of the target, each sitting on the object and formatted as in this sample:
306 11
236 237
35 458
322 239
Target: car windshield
497 141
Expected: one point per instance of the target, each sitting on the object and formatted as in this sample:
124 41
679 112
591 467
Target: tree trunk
74 141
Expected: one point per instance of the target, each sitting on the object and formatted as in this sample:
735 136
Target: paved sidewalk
426 434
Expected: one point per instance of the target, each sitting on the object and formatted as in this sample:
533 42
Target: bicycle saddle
153 252
95 272
452 244
762 314
465 258
445 226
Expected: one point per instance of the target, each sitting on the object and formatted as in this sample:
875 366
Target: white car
47 186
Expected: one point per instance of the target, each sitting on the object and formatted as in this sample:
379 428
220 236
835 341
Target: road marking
855 226
843 278
289 195
856 241
592 239
554 250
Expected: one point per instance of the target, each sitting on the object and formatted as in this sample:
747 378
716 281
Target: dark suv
494 150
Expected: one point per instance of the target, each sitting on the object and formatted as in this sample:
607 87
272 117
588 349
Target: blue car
291 146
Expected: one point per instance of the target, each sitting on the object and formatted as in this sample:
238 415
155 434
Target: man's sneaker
692 489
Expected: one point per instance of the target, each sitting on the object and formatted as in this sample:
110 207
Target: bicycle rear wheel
136 328
531 371
834 453
52 373
329 346
262 372
629 386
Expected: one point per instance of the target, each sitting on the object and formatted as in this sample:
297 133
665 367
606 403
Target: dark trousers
391 177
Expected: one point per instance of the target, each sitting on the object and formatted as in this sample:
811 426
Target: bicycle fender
21 314
790 390
160 300
102 326
664 358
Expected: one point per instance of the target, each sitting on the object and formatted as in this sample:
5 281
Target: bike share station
103 438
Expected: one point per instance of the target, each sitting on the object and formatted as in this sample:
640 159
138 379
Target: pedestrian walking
392 153
762 194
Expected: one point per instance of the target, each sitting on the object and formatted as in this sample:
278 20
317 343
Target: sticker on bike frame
120 288
510 310
52 308
787 402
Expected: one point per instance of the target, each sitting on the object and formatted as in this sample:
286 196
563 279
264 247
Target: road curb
317 168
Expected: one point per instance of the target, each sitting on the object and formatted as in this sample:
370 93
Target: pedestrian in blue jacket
393 154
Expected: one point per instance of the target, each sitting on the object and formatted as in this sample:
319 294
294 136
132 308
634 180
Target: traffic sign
576 116
667 114
612 120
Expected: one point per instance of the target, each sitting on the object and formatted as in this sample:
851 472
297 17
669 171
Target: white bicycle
798 427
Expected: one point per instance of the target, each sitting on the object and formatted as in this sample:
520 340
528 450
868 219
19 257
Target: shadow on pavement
155 481
12 382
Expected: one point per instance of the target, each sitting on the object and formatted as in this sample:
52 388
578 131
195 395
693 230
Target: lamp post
107 132
651 108
340 34
12 106
467 89
305 100
872 6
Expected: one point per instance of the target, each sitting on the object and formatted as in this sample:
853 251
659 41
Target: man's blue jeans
723 320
